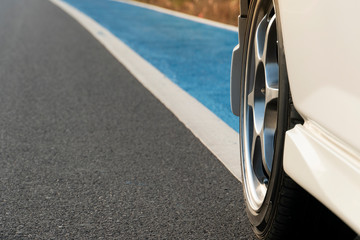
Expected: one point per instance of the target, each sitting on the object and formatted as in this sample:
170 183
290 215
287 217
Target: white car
295 86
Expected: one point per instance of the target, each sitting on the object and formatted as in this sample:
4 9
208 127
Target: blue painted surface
197 57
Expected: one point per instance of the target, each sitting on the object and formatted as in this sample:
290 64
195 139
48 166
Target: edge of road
180 15
214 133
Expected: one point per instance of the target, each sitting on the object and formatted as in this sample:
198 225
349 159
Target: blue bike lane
195 56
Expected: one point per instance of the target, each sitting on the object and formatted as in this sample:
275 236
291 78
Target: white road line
215 134
181 15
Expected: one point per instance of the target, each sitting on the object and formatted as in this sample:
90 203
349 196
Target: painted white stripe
180 15
215 134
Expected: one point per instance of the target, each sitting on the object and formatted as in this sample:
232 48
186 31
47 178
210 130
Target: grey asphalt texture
86 152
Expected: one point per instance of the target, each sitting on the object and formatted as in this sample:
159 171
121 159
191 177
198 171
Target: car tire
274 202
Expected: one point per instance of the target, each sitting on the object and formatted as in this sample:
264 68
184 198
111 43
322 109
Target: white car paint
321 41
326 169
322 49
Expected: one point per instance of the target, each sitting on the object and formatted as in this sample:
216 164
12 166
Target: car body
323 155
321 44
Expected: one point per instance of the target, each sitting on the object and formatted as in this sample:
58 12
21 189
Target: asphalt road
87 152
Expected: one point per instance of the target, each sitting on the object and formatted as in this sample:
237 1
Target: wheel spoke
251 99
253 144
263 154
269 39
260 40
271 93
267 136
270 60
267 149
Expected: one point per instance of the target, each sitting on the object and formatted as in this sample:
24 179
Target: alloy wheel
260 96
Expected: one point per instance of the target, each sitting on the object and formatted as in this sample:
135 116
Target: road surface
87 152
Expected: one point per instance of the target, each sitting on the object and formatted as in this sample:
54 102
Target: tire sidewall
262 219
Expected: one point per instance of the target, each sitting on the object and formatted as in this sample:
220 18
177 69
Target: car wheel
273 200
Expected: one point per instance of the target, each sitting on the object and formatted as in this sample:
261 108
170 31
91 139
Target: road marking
214 133
180 15
195 56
